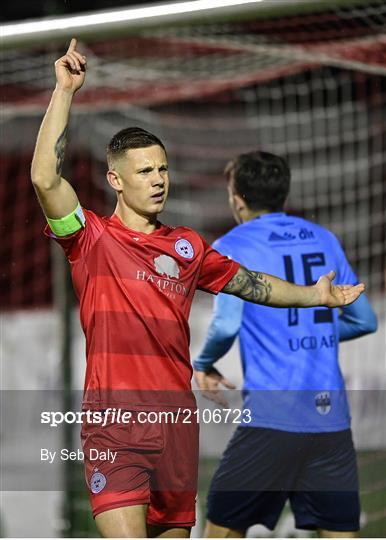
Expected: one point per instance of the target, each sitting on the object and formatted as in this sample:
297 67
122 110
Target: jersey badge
184 248
97 482
323 403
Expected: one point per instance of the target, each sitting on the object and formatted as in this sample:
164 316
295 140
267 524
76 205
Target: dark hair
261 179
132 137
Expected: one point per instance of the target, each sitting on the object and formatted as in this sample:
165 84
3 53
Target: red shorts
143 463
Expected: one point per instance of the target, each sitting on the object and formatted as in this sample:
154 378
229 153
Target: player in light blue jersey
297 442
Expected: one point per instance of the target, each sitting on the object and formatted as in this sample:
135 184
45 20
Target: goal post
120 22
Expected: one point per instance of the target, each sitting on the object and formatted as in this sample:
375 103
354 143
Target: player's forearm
265 289
217 344
222 332
51 141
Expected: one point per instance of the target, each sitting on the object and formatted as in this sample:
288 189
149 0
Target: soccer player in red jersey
135 279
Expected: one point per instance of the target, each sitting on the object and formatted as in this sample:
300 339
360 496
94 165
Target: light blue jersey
292 378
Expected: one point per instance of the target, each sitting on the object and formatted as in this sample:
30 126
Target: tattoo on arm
249 285
60 147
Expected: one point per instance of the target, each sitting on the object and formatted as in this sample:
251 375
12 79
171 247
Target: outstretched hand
337 295
209 384
70 69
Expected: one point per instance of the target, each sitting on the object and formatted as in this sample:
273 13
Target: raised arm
265 289
56 196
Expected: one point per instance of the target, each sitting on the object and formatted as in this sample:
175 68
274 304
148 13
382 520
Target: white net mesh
182 62
311 87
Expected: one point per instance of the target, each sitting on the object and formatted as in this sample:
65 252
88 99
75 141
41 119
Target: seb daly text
77 455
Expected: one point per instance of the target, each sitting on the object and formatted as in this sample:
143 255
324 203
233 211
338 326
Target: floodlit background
304 79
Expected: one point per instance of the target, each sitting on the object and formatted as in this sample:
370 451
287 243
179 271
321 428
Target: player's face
144 180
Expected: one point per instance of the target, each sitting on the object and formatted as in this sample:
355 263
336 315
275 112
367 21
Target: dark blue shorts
263 468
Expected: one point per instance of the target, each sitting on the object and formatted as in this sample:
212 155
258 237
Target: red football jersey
135 293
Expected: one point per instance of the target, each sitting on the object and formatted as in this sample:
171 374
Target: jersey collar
115 220
272 215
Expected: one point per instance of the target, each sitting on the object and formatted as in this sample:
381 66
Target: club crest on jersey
167 266
97 482
323 403
184 248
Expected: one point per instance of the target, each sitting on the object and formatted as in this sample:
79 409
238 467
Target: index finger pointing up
72 45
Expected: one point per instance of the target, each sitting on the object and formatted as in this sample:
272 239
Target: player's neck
248 215
136 222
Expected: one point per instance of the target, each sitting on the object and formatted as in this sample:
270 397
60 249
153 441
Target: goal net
309 84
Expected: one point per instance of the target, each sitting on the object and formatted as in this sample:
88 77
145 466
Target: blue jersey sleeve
225 324
223 329
357 319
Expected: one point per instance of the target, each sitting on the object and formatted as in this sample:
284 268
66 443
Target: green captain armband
69 224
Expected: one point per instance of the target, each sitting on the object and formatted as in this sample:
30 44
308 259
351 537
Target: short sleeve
216 270
77 245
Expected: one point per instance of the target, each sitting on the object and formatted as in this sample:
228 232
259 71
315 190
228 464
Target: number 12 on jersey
309 261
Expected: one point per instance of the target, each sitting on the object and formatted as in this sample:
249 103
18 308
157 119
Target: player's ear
114 179
239 202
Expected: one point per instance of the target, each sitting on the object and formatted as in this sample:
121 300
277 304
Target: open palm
337 295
